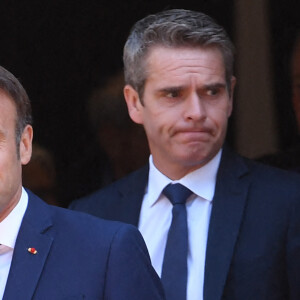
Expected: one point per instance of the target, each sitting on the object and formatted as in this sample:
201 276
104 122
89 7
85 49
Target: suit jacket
253 246
78 257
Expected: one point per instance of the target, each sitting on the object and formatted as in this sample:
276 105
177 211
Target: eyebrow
171 89
166 90
217 85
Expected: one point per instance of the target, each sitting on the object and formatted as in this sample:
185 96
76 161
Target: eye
173 94
212 91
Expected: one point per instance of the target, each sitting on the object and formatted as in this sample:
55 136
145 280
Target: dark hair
173 28
14 89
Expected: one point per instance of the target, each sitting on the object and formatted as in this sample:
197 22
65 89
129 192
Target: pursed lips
194 134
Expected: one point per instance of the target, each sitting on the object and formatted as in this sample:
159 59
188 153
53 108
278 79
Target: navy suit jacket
253 246
78 257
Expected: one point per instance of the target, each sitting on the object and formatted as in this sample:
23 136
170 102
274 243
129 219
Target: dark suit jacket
253 247
78 257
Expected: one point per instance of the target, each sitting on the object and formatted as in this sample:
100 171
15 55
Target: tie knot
176 193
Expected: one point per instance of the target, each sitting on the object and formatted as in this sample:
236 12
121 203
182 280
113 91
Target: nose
194 108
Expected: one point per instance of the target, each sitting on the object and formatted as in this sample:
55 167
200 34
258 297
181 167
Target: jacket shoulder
106 197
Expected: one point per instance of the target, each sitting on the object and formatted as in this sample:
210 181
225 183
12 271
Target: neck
12 203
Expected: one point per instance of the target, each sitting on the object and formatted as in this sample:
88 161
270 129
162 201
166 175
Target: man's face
10 164
185 108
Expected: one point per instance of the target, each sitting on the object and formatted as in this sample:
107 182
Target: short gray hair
173 28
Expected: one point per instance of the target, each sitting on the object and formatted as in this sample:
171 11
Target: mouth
194 135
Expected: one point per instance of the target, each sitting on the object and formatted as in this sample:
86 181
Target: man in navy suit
243 218
48 252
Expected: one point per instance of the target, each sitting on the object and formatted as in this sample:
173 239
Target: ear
233 83
26 145
134 104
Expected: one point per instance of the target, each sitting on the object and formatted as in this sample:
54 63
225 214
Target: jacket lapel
227 212
27 267
131 192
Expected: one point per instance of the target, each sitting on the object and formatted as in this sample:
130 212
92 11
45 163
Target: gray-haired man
240 218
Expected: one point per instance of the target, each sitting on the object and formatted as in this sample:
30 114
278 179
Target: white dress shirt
156 216
9 229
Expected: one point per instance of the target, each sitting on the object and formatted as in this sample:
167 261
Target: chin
192 160
196 158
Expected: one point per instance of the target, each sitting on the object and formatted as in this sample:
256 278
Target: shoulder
105 196
264 181
259 172
68 226
272 188
269 175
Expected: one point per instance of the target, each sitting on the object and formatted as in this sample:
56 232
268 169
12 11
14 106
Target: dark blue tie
174 269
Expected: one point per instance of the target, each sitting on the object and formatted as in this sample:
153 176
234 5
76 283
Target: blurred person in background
39 175
124 142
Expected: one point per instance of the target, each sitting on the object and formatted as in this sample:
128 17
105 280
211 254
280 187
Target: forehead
177 62
7 109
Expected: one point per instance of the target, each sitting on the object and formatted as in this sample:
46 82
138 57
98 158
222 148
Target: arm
293 252
129 272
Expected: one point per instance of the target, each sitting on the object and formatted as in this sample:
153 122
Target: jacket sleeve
293 251
129 272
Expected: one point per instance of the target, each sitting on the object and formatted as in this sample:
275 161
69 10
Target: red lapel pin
32 250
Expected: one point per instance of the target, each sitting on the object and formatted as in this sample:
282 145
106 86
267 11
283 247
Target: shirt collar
10 226
201 182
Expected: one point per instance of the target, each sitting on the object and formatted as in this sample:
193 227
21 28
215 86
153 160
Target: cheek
10 171
153 129
220 115
157 119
